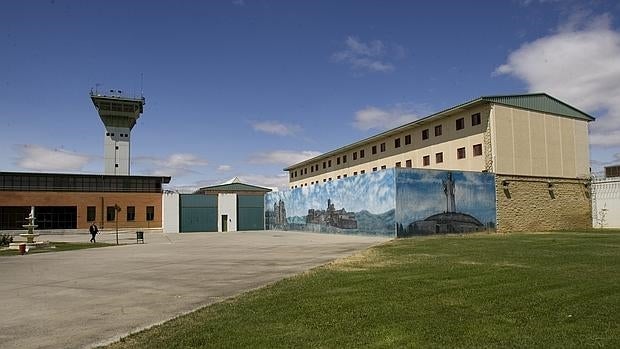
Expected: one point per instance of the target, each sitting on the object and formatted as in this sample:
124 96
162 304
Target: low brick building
73 201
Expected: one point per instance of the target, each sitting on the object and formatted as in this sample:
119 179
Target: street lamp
117 209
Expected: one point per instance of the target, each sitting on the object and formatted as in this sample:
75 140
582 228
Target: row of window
438 131
426 161
111 134
91 213
85 183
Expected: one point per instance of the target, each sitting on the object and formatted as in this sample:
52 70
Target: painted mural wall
398 202
440 202
363 204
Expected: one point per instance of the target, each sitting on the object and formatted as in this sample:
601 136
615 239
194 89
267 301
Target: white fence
606 202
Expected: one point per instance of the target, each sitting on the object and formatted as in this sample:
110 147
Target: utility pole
117 210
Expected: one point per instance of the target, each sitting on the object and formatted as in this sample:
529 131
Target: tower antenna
141 85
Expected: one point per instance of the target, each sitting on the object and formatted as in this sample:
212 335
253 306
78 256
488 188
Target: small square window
438 158
477 149
115 165
131 213
329 179
382 147
107 133
424 134
355 173
324 180
460 153
407 139
362 154
374 149
398 164
460 123
344 176
426 160
374 169
437 130
397 143
475 119
116 147
338 177
408 163
362 171
383 167
91 213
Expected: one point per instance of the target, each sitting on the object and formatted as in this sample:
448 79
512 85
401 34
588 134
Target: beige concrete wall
533 143
528 205
447 143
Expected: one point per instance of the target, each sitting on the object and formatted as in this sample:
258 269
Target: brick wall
529 205
100 200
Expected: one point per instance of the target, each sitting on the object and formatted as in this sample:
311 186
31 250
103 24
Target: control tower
119 115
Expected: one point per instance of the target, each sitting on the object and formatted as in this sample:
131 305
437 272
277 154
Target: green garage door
250 212
198 212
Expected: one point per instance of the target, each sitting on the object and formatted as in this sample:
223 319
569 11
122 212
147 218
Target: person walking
93 231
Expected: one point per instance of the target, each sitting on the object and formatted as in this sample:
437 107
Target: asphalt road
85 298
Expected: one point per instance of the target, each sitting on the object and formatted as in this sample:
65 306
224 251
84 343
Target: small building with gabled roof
229 206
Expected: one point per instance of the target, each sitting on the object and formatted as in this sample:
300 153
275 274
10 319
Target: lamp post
117 209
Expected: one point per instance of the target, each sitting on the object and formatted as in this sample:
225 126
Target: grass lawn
515 290
57 247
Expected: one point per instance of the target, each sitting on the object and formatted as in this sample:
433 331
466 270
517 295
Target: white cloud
276 128
579 64
373 118
283 157
224 168
373 56
174 165
36 157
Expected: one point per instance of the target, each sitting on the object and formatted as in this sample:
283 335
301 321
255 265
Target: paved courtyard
84 298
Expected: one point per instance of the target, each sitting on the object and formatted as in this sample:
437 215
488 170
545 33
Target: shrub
5 239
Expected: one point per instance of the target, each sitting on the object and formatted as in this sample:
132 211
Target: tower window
115 165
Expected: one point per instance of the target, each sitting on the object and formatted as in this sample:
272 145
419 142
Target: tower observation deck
119 115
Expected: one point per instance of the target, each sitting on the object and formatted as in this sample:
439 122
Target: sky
245 88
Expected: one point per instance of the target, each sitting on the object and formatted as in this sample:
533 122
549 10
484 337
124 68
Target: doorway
224 223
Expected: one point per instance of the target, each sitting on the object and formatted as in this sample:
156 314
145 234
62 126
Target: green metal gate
250 212
198 212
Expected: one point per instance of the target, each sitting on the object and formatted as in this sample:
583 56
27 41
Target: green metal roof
234 187
541 102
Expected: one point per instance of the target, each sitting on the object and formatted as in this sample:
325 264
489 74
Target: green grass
57 247
515 290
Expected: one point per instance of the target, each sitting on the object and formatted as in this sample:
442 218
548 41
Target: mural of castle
361 204
276 219
477 198
332 217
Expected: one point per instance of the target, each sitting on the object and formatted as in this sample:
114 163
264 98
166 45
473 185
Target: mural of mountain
370 222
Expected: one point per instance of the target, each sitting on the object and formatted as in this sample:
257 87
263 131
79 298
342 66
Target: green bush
5 239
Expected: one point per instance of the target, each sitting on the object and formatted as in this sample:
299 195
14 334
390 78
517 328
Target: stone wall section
528 204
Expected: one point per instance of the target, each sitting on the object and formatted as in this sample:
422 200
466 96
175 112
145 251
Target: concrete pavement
84 298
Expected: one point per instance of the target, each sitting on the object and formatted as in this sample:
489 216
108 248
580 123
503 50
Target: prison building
536 145
73 201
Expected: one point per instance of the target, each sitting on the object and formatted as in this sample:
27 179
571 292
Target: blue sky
245 88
